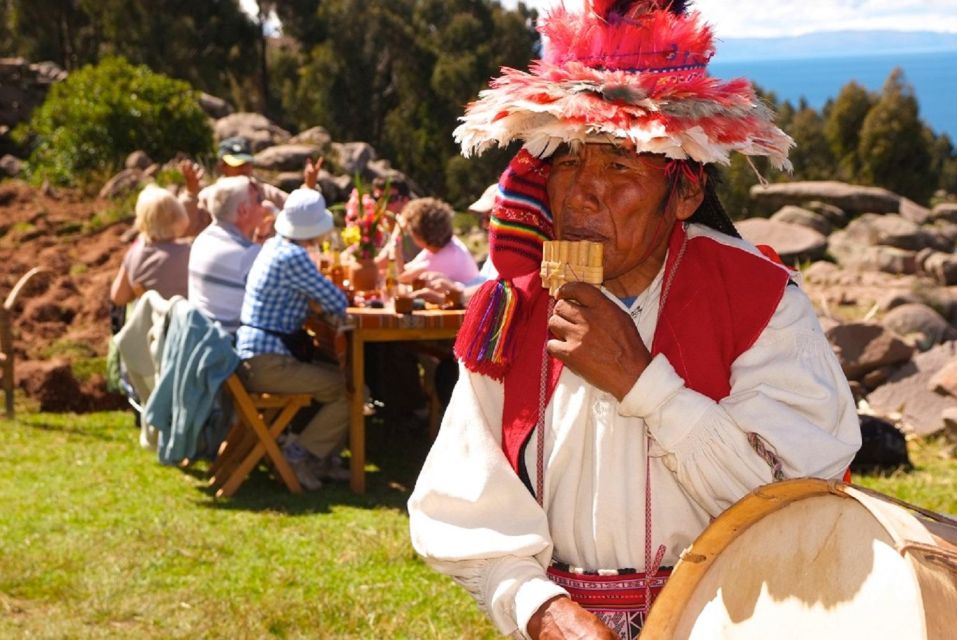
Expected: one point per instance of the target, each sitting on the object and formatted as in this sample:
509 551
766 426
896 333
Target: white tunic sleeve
471 517
787 390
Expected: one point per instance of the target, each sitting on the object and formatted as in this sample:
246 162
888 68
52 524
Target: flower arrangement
364 222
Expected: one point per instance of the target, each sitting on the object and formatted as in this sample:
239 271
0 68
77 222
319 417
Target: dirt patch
66 313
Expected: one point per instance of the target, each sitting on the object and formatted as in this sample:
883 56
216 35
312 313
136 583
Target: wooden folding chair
260 419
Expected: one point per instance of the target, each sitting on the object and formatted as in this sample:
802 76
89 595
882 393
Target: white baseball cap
304 216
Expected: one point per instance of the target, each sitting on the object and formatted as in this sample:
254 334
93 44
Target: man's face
607 194
245 169
251 213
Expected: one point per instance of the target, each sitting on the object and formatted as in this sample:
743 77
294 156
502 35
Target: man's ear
689 196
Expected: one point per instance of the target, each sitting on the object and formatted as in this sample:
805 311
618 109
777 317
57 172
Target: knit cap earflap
520 222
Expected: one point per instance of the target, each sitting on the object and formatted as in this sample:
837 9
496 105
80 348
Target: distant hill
830 44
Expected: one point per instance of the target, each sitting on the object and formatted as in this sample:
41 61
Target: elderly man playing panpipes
592 436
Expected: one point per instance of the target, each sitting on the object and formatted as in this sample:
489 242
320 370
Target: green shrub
92 120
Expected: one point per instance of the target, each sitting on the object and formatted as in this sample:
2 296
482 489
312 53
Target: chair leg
266 445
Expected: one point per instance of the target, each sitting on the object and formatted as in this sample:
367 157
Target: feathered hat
625 70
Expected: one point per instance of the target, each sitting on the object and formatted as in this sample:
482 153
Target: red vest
719 301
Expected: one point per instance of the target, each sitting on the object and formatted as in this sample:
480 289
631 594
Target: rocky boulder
258 129
125 181
10 166
214 107
286 157
883 447
910 210
890 230
945 211
835 215
945 380
855 255
315 136
353 157
793 243
862 347
804 218
908 393
138 160
23 87
847 197
921 322
942 267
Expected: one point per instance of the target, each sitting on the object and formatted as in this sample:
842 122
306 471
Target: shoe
330 468
304 474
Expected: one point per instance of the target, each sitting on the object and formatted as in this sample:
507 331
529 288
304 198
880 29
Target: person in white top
599 433
224 252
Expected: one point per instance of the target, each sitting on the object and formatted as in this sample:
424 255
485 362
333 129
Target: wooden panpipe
571 261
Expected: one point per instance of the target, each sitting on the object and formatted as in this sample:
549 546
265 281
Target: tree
893 150
92 120
811 157
842 127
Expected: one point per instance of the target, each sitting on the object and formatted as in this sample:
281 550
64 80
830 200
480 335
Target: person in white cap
282 285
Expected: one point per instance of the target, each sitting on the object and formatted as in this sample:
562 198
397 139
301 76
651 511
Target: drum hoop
696 560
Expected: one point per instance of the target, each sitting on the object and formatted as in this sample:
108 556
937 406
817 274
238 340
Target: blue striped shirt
281 283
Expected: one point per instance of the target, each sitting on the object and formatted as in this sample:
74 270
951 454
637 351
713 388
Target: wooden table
380 325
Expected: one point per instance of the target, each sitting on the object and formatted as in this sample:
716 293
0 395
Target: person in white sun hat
283 283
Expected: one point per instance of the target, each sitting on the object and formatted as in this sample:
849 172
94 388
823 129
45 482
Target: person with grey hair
223 253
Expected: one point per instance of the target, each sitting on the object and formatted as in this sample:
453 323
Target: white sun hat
304 216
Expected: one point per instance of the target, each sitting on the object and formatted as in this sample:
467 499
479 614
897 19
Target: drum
814 559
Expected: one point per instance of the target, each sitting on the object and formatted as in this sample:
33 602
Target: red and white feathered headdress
629 71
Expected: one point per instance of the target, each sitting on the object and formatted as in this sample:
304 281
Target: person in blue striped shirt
282 285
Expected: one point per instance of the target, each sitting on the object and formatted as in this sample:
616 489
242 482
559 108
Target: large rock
862 347
945 380
23 87
125 181
910 210
288 181
214 107
890 230
138 160
286 157
316 136
835 215
354 157
859 256
941 266
804 218
258 129
945 211
911 319
848 197
907 393
10 166
792 242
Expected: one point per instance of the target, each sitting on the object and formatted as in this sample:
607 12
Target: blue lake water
933 76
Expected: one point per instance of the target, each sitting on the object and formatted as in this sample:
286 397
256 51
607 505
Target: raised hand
596 339
310 173
192 174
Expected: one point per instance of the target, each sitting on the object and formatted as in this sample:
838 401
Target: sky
775 18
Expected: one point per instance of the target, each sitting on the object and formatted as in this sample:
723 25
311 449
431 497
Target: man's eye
566 162
618 166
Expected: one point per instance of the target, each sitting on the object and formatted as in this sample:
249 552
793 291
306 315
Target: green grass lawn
97 540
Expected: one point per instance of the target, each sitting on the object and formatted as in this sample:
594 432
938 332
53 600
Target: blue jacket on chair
198 356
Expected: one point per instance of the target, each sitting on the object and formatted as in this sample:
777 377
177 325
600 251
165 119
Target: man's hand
192 174
562 619
310 173
596 339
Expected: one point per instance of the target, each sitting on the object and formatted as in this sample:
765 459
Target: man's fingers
569 310
584 294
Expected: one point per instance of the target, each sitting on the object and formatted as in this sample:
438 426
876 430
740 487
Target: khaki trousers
275 373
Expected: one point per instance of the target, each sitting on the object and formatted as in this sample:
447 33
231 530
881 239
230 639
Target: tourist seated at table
400 246
223 253
156 260
282 284
429 221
